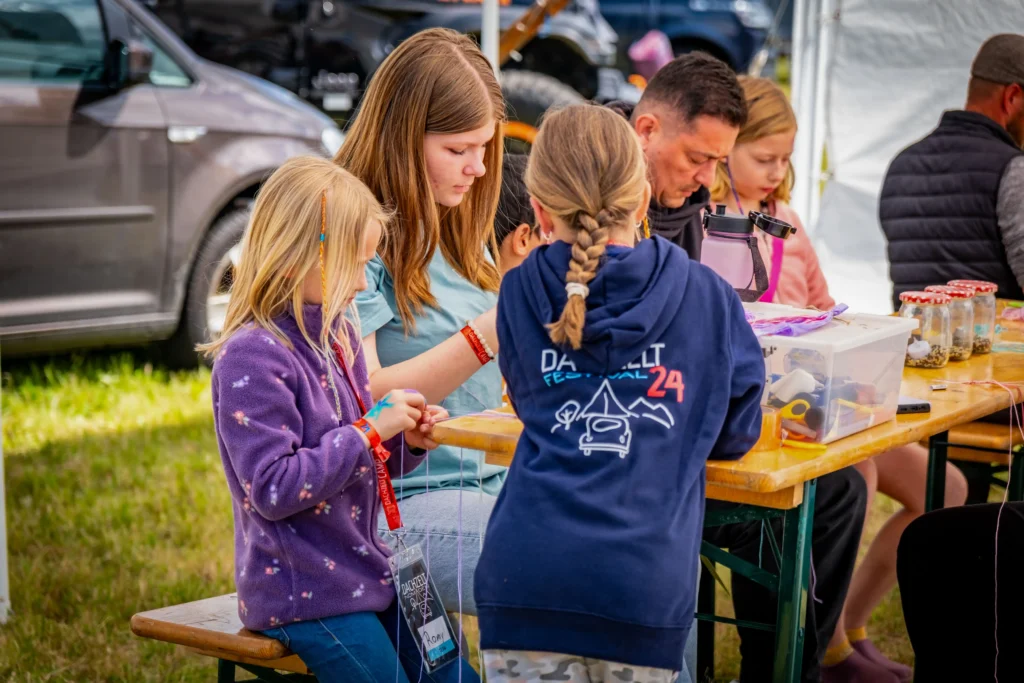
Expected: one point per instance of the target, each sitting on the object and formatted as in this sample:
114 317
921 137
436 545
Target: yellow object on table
771 430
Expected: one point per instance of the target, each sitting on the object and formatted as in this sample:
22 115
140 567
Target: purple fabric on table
793 326
303 487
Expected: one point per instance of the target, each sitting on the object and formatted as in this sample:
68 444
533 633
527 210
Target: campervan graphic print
607 423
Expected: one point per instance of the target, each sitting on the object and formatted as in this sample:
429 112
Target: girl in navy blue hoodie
630 365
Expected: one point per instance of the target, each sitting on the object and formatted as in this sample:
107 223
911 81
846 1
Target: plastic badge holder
422 608
837 380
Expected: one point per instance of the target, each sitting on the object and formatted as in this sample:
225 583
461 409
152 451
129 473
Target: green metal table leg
792 611
706 629
225 671
935 489
1016 475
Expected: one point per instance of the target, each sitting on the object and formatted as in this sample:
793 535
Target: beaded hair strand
323 291
323 236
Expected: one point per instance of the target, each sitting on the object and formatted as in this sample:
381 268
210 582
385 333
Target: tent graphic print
607 423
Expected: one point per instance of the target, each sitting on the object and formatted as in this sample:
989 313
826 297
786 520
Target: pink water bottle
728 247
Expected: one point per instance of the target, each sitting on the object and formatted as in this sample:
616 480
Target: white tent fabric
875 76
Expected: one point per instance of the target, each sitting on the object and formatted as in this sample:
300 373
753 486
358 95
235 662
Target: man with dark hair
687 120
952 205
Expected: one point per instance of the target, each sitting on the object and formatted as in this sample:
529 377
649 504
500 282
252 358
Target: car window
166 73
51 41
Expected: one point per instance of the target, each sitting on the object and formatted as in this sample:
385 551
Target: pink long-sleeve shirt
801 282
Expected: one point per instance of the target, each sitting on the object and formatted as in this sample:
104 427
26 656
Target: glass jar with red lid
961 319
984 312
930 344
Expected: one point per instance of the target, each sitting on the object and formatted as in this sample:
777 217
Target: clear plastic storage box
837 380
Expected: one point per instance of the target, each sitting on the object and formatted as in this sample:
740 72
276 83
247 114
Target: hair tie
577 289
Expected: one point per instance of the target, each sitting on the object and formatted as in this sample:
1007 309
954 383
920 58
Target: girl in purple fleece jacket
289 380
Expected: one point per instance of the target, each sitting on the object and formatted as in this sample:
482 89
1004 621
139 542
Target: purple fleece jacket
302 480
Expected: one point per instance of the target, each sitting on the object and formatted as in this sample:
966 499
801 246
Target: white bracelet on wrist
476 331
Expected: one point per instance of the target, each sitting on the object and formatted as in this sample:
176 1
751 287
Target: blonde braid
587 170
587 250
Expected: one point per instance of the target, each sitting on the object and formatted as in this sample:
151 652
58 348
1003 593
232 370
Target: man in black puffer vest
952 205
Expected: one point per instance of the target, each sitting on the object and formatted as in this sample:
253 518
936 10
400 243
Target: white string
458 570
426 492
394 579
1014 413
480 537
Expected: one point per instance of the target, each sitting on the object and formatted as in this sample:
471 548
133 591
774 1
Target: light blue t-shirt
459 300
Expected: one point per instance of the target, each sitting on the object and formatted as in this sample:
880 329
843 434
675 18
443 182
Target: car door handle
183 135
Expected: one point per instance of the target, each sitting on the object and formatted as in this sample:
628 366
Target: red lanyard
380 457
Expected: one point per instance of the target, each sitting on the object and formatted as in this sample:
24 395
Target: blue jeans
432 520
360 648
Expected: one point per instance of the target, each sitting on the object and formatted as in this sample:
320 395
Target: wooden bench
986 449
983 442
212 628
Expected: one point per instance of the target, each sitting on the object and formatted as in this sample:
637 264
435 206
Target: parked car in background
127 171
732 30
326 50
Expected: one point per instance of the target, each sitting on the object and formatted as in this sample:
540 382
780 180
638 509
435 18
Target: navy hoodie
593 544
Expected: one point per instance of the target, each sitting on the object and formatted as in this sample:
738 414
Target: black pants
839 509
946 571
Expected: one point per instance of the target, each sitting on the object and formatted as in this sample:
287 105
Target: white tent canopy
869 78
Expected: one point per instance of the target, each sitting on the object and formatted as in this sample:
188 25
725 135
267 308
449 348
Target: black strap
760 279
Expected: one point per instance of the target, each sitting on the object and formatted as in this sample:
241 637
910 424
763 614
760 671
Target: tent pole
826 36
806 33
797 49
489 33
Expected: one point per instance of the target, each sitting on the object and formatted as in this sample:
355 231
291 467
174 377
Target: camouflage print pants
505 666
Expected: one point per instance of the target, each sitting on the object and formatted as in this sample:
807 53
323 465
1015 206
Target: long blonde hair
437 81
587 169
281 246
768 113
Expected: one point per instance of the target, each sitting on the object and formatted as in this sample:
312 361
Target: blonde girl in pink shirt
758 176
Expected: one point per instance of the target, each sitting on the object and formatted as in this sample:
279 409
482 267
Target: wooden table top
775 478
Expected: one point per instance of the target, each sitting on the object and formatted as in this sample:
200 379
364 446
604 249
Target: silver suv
127 168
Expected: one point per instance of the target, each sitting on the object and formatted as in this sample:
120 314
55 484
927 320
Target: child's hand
397 411
419 436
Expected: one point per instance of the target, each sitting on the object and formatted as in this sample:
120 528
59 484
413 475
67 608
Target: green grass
116 503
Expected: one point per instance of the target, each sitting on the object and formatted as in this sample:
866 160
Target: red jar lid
924 298
951 292
979 286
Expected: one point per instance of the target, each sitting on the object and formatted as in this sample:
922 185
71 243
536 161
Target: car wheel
209 286
528 95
